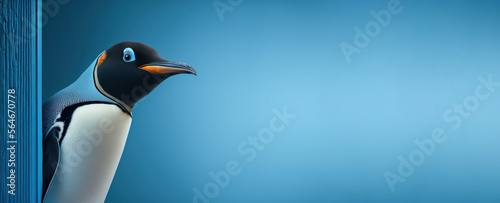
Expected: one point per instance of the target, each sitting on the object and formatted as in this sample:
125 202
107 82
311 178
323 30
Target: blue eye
128 55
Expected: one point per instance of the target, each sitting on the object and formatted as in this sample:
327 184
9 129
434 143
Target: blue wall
356 121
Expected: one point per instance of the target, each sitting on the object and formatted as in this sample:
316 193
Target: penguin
85 125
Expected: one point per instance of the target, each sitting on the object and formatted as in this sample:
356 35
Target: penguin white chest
89 155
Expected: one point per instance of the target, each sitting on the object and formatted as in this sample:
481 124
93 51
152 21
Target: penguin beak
168 67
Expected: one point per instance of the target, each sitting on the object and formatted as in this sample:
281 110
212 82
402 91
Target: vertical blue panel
20 167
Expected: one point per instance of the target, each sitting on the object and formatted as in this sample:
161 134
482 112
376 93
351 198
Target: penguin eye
128 55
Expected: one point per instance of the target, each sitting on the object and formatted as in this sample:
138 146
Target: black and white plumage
86 125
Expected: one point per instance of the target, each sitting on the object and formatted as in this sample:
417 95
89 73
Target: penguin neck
127 106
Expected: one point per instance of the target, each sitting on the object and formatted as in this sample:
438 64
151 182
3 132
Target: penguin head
128 71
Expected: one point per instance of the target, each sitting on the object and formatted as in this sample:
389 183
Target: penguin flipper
50 157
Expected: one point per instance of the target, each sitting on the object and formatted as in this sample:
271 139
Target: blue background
353 120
